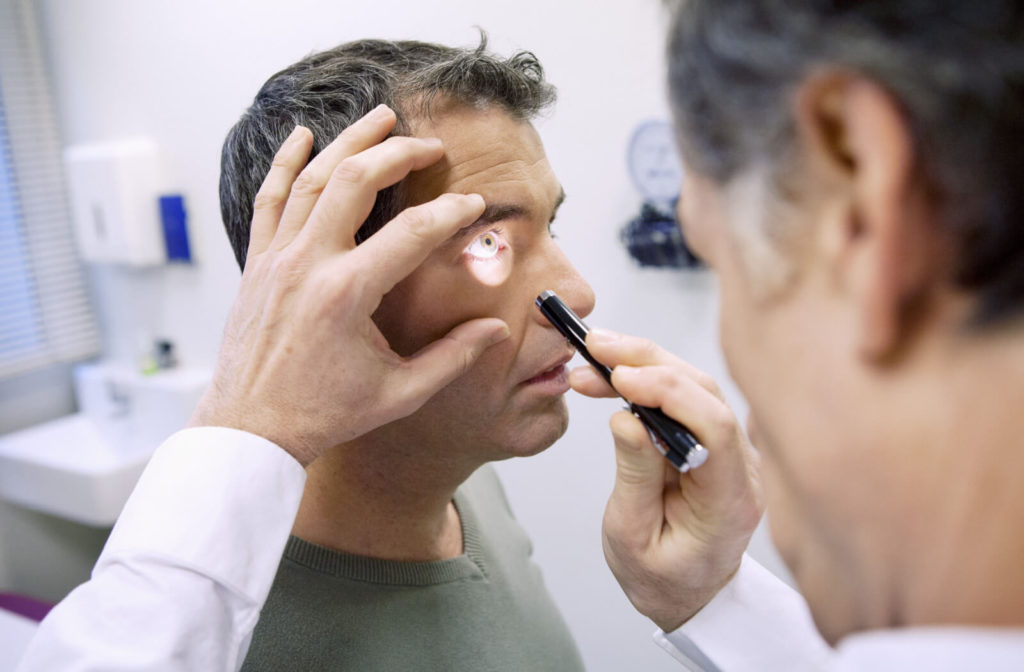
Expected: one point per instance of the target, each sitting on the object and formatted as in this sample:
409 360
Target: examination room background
182 72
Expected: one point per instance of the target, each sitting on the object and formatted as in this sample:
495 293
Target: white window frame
45 312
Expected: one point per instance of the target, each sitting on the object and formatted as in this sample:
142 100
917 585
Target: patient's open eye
488 258
486 245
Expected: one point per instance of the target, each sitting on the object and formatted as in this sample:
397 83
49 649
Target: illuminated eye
486 245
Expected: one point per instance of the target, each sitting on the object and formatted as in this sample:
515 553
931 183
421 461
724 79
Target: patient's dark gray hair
329 90
955 67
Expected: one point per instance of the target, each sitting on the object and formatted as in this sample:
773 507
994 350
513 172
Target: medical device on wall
116 205
653 237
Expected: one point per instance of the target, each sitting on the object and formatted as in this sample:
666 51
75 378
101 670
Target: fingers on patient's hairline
351 191
272 196
308 187
368 131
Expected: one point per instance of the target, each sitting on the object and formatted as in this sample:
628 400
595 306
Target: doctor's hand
302 362
672 540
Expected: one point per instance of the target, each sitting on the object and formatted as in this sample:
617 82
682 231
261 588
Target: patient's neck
374 497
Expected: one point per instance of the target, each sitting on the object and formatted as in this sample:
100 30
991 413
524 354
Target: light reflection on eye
486 245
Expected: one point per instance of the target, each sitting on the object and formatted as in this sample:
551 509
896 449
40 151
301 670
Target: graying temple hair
955 67
329 90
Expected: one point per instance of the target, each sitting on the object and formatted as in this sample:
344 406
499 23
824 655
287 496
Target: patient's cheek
490 273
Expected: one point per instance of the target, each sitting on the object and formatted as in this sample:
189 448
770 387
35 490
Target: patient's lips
489 258
553 379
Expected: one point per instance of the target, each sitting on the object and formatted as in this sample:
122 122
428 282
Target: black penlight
674 440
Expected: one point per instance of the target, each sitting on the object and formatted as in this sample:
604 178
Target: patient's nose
567 282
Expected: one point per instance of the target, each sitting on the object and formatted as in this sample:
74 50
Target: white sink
83 467
69 468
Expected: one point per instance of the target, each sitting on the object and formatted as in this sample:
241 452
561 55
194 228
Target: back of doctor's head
954 67
329 90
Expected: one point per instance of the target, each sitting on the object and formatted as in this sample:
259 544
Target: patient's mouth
553 381
553 373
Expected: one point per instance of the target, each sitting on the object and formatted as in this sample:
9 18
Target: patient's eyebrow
496 212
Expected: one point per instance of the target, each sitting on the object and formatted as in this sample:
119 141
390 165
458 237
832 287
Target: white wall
183 71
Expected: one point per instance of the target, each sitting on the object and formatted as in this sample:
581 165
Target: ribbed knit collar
469 565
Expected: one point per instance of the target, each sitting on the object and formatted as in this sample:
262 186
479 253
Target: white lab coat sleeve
756 623
187 567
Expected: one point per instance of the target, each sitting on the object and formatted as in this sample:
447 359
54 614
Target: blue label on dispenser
172 217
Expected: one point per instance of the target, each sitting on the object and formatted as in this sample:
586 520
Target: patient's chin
540 434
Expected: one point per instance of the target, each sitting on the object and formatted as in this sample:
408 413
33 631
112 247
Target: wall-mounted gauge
653 237
654 162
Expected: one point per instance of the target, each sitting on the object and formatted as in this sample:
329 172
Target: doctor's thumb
451 356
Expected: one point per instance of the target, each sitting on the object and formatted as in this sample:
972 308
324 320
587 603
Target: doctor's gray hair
955 69
329 90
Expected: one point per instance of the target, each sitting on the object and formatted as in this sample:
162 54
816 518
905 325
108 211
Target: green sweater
487 609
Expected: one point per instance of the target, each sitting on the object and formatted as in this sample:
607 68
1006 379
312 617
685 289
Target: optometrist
854 181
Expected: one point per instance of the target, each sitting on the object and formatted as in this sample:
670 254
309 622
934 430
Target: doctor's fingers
612 349
727 486
684 399
351 190
395 251
635 515
272 196
306 189
434 366
588 382
723 495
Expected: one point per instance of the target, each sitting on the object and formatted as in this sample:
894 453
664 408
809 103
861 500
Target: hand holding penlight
674 440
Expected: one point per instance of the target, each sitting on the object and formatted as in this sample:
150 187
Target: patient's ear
877 242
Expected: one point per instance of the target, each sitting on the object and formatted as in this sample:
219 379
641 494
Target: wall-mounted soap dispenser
114 190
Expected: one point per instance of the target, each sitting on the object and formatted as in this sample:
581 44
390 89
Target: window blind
45 315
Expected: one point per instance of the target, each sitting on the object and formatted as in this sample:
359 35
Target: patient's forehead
487 151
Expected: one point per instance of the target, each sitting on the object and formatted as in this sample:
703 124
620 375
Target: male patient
405 554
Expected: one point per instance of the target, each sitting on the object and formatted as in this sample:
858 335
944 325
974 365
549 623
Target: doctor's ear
879 243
